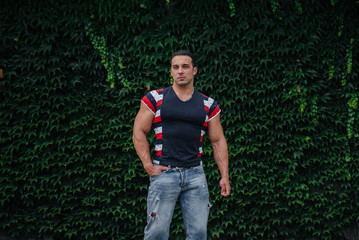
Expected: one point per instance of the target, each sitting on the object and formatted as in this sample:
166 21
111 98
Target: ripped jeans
189 186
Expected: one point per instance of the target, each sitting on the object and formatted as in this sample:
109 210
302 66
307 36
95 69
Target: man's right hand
154 170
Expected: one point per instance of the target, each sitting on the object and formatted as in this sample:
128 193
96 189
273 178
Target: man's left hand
225 187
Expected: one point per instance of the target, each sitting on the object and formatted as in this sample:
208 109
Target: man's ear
194 70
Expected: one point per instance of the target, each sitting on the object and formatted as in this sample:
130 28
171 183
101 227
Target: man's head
183 68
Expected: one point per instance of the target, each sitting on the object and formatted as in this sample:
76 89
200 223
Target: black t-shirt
179 126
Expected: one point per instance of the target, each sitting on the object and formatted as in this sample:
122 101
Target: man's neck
183 92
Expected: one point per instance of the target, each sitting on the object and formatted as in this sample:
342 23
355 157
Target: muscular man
180 116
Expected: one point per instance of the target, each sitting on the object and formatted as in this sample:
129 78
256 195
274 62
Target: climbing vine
341 24
111 60
298 6
352 106
232 8
350 56
315 110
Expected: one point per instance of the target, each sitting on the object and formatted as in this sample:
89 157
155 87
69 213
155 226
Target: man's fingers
225 188
157 170
163 169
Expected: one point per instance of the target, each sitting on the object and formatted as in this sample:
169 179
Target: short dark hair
184 53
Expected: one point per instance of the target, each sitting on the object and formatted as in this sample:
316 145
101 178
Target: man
180 116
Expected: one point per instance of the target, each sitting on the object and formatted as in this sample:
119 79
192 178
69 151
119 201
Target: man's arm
141 127
220 152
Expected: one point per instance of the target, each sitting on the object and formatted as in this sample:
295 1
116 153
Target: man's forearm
143 151
142 148
220 153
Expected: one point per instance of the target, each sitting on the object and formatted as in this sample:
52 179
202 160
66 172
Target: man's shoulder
204 96
158 91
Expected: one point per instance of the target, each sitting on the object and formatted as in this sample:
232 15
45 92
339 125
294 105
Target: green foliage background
285 74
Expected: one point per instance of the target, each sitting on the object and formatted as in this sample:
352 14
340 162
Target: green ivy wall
285 74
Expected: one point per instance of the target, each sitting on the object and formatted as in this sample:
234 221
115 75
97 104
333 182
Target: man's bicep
144 119
215 131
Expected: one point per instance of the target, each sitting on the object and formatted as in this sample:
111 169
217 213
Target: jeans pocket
153 177
198 169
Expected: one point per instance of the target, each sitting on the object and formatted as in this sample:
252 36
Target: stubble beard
183 82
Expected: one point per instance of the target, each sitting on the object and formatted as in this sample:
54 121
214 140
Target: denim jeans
189 186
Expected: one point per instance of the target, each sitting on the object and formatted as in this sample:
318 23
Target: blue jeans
189 185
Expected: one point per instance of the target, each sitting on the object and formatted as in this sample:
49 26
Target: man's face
182 70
